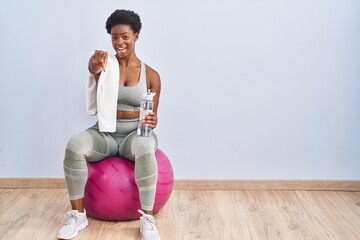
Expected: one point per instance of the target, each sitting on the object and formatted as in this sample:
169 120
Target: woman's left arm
154 82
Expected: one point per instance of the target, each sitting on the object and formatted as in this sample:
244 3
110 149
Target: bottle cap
148 96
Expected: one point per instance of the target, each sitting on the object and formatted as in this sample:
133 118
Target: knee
144 145
75 150
78 142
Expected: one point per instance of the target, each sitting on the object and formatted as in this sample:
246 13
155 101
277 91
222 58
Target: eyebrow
114 34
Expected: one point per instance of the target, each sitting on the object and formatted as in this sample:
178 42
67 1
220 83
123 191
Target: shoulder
152 74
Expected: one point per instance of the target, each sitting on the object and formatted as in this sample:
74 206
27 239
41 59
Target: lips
121 49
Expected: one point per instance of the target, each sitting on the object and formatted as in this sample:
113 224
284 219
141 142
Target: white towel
101 97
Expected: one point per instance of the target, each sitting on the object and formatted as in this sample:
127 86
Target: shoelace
149 223
72 218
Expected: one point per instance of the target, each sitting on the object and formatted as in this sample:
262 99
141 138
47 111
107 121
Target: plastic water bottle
146 106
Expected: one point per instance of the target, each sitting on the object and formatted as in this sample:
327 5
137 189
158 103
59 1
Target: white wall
250 89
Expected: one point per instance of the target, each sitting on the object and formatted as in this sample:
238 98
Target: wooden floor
192 214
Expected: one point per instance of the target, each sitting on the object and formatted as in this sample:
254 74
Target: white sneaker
76 221
148 227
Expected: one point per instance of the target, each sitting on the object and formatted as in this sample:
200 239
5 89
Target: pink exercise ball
111 192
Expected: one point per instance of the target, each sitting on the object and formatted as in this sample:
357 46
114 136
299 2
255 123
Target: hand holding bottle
151 120
147 118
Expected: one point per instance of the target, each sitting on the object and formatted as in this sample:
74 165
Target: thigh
95 145
133 145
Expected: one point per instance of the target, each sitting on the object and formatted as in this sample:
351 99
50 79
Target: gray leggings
92 145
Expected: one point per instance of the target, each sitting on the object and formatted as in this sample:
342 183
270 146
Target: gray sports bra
129 97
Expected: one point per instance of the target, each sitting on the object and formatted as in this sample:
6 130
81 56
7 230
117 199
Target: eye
114 38
125 37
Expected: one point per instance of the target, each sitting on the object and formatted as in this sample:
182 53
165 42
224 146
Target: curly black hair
126 17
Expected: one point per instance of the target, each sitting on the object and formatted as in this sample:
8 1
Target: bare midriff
126 114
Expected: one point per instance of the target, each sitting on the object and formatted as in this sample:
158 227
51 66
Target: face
123 40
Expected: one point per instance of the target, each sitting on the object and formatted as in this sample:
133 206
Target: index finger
102 61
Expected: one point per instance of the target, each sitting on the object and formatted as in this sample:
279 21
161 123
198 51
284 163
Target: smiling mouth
120 49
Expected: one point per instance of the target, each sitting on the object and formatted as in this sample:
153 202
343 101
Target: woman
115 87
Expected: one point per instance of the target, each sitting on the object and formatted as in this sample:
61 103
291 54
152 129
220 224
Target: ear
136 36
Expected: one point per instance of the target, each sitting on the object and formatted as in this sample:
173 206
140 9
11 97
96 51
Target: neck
128 60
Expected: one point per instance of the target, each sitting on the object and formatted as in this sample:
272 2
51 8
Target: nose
119 41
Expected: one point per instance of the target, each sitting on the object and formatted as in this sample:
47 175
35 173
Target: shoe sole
81 227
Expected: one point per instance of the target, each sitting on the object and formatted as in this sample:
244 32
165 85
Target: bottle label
145 108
